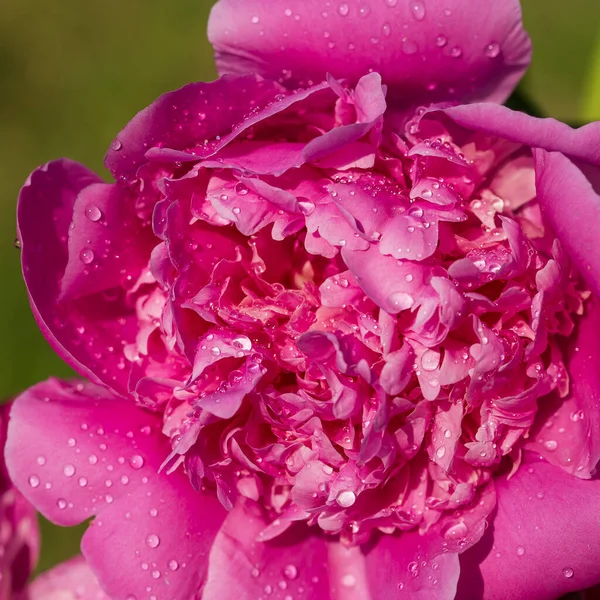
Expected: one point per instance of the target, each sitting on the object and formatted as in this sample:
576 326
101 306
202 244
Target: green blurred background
72 73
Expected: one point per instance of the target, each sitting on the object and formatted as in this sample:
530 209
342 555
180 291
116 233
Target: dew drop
456 532
61 503
441 41
83 481
551 445
92 459
136 461
290 572
255 20
417 8
34 481
346 498
152 541
401 300
343 9
306 206
492 50
520 550
173 565
568 572
430 360
440 452
93 213
391 3
86 256
69 470
116 145
348 580
41 460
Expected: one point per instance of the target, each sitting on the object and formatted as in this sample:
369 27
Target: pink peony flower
340 328
20 544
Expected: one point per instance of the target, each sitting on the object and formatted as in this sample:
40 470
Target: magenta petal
544 541
570 201
72 579
176 125
101 457
569 431
106 239
303 566
45 212
424 50
548 134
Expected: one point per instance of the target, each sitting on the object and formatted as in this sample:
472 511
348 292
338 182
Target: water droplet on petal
34 481
417 8
520 550
61 503
86 256
492 50
41 460
430 360
69 470
441 41
440 452
346 498
551 445
152 541
348 580
290 572
401 300
93 213
116 145
136 461
343 9
456 532
568 572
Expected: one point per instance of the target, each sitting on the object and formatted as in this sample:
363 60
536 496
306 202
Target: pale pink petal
544 540
72 579
76 452
425 50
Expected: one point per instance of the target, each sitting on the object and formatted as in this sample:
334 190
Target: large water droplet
430 360
136 461
34 481
306 206
401 300
520 550
551 445
343 9
152 541
492 50
346 498
417 8
456 532
93 213
290 572
69 470
568 572
86 256
116 145
440 452
173 565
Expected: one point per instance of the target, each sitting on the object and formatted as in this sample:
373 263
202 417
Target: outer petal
569 432
544 541
183 119
84 453
425 50
304 566
72 579
570 201
548 134
45 212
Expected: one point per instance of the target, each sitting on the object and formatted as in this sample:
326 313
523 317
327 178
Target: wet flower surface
339 327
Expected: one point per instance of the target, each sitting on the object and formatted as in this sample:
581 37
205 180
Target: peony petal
570 201
45 212
544 541
107 242
309 567
76 452
425 50
548 134
182 120
569 429
72 579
